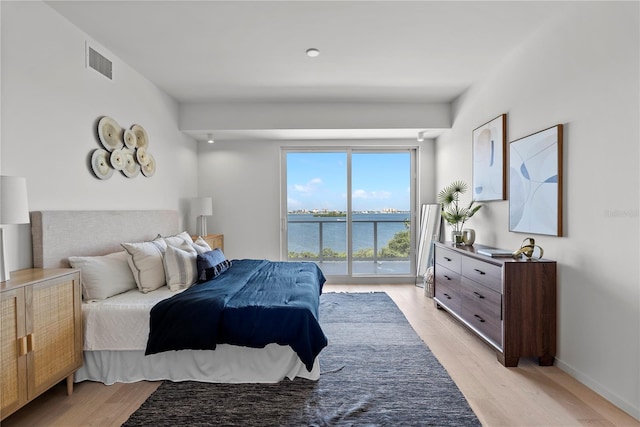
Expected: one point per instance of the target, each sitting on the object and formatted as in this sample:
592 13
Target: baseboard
603 391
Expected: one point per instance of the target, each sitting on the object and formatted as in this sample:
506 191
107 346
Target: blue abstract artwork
535 183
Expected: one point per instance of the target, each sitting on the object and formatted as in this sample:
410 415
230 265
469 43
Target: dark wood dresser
509 303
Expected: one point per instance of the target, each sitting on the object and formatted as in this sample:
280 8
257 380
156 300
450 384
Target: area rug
375 371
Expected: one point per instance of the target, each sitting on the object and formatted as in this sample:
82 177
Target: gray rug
375 371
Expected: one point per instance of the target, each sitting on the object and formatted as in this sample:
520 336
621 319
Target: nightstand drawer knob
447 295
478 295
479 271
479 318
448 259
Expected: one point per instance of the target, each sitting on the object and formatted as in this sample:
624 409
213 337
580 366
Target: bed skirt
227 364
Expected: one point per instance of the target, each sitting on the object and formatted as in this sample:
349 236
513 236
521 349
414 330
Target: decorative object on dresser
489 171
529 249
453 213
201 207
509 303
14 209
535 183
41 334
213 240
468 236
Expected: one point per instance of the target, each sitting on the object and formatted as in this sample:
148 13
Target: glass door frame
349 277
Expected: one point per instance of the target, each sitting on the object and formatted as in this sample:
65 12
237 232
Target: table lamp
14 209
201 207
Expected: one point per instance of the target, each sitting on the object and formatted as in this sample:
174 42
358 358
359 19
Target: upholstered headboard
57 235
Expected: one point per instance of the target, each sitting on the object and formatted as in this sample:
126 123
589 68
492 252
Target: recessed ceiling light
312 52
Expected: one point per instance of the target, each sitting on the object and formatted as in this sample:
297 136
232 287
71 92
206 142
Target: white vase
468 236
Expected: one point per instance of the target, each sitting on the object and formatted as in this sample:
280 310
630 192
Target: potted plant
452 212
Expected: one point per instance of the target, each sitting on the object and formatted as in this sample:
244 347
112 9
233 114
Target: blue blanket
254 303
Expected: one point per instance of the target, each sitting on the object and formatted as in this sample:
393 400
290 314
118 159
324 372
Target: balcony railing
327 253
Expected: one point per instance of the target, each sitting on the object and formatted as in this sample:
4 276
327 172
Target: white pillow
103 276
176 239
201 246
145 261
180 267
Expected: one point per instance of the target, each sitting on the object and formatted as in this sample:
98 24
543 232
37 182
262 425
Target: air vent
99 63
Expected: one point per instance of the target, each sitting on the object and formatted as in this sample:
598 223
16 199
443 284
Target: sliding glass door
316 209
350 211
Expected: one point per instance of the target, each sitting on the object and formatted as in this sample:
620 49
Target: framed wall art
535 183
489 169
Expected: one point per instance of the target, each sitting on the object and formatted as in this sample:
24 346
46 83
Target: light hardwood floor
528 395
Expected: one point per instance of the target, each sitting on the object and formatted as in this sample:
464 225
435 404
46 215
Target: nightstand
213 240
41 335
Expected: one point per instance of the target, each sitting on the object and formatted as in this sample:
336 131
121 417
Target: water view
309 234
375 185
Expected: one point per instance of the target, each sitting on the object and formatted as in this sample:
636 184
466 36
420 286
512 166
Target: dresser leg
509 362
546 360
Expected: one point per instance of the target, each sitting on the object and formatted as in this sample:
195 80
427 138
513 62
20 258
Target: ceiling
254 51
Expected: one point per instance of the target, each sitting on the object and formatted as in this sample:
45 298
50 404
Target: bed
117 331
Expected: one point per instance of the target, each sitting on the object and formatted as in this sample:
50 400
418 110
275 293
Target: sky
319 181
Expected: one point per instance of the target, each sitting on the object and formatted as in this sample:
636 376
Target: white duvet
122 321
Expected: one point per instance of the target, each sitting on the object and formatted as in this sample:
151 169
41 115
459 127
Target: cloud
309 187
293 203
377 195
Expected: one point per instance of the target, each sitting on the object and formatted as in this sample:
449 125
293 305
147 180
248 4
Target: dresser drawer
485 323
448 294
448 258
487 300
482 308
482 272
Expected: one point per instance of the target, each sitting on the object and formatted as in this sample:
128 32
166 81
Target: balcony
380 247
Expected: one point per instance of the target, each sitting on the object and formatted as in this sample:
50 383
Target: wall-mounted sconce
210 138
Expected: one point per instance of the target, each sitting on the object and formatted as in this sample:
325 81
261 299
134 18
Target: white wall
243 178
50 107
581 70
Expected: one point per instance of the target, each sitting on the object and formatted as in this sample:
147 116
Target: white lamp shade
202 206
14 207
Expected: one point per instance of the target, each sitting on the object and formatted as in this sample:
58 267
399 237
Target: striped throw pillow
180 267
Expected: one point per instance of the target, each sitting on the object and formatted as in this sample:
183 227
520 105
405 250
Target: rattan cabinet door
13 361
54 331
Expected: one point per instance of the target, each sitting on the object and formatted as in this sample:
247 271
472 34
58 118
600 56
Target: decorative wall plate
100 164
130 138
110 134
141 135
150 168
118 160
131 168
142 156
